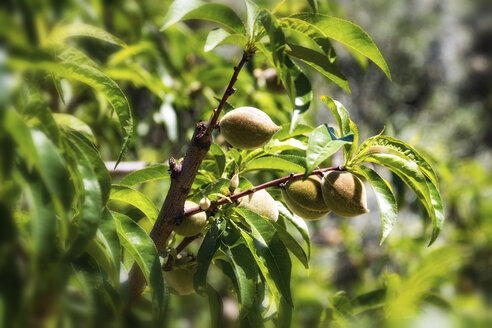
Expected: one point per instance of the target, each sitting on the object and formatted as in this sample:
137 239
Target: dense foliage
86 88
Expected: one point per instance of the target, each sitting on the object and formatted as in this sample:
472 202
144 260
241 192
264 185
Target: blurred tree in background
440 101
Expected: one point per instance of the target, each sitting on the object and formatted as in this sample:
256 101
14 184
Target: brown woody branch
182 177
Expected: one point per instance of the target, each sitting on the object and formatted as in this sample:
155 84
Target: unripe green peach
262 203
247 128
193 224
304 198
344 193
180 279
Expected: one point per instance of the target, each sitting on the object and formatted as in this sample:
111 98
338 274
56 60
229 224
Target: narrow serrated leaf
197 9
388 208
298 223
60 33
269 245
218 36
209 246
142 249
321 63
345 32
274 163
135 198
244 266
148 174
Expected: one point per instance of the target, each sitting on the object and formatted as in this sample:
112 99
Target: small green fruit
247 128
344 193
180 279
192 225
304 198
262 203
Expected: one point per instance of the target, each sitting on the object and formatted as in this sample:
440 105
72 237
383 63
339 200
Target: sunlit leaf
142 249
91 209
60 33
298 223
409 173
135 198
275 163
343 31
218 36
148 174
322 144
70 122
197 9
96 162
388 208
269 245
252 11
244 266
209 246
321 63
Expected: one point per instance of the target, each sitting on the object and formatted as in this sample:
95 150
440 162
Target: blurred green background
440 101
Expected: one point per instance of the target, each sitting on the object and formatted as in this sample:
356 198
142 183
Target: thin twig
185 242
269 184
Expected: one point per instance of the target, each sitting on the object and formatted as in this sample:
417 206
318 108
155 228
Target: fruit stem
185 242
277 183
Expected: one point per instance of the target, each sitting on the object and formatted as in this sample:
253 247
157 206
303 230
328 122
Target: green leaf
274 163
297 85
284 317
76 67
322 144
87 223
38 113
344 32
355 143
252 11
197 9
269 245
219 156
276 36
321 63
215 305
291 244
298 223
388 208
438 210
107 237
205 254
345 125
245 269
53 169
286 132
43 221
218 36
150 173
261 262
142 249
70 122
96 162
408 152
134 198
409 173
60 33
